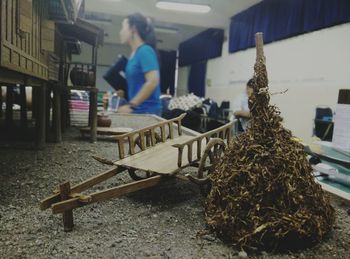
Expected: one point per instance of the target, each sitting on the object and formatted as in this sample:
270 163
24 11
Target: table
337 159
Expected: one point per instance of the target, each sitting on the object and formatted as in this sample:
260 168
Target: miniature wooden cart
159 152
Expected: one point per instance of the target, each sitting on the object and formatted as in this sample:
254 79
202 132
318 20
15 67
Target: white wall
182 79
313 67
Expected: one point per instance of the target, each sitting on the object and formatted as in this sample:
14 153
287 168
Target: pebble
209 238
242 254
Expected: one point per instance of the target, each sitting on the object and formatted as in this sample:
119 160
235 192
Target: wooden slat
16 19
189 150
207 139
179 156
229 135
63 206
199 148
142 140
106 131
47 202
209 134
171 130
148 138
179 130
162 132
48 35
131 145
32 40
25 15
35 29
153 137
151 126
9 20
4 15
3 24
13 23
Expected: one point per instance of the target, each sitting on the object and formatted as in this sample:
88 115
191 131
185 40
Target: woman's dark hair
250 83
144 27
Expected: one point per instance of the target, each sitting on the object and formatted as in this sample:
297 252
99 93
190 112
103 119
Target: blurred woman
142 69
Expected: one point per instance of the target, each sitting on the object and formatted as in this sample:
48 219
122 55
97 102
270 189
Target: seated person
241 108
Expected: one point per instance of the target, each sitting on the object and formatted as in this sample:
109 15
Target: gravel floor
161 222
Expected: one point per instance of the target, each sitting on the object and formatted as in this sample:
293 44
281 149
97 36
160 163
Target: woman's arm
152 80
242 114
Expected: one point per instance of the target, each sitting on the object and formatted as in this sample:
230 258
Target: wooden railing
223 132
148 137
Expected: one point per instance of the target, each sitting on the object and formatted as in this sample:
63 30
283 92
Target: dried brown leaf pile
263 193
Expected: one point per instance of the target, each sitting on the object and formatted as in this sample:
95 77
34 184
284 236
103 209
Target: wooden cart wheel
139 175
211 156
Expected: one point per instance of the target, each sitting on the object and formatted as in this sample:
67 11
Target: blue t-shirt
143 61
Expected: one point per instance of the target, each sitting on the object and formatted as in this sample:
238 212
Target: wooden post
34 102
9 106
40 118
90 110
64 110
68 214
93 109
1 101
48 108
56 115
23 102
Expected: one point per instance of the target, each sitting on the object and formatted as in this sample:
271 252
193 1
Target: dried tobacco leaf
263 192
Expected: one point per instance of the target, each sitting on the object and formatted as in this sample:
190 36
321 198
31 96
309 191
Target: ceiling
186 24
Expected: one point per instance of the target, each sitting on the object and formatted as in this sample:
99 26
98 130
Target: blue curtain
167 70
203 46
324 13
241 30
280 19
196 80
